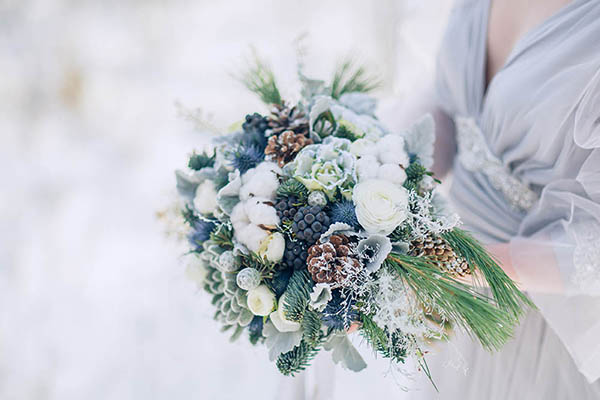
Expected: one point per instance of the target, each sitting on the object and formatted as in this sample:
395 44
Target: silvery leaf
400 247
322 104
360 103
344 352
420 140
187 182
278 342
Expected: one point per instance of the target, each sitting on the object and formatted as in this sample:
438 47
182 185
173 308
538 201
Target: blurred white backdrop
94 303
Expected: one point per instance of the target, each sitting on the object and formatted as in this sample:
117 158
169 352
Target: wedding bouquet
316 220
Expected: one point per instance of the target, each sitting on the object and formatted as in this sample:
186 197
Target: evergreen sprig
311 327
293 188
297 359
504 289
260 79
478 314
388 345
223 236
297 295
349 77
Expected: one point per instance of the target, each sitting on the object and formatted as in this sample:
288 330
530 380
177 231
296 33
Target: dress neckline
520 44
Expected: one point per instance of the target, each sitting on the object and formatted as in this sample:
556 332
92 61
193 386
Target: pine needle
349 77
297 359
260 79
504 290
473 311
297 295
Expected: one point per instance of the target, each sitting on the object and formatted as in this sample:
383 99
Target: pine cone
284 147
441 254
332 262
284 118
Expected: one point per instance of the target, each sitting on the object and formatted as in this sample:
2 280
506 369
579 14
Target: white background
94 303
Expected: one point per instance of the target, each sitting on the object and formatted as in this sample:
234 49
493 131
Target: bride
518 86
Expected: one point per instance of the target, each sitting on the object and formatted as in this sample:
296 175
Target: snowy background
94 303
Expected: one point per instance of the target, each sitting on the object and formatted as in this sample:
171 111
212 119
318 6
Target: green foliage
223 236
349 77
297 359
297 295
504 290
415 171
345 132
260 79
293 188
401 234
311 327
199 161
478 314
392 346
188 216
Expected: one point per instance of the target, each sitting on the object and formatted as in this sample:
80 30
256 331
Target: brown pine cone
441 254
283 148
284 118
331 262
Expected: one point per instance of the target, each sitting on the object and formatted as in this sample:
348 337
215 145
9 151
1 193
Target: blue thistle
247 157
201 232
339 312
345 212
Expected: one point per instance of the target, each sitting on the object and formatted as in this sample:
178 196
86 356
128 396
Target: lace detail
586 258
475 156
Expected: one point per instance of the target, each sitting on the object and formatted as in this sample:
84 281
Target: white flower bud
273 247
261 300
195 269
280 321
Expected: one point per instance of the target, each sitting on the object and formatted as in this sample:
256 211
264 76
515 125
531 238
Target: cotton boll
363 147
390 150
238 217
391 173
260 181
367 167
251 236
205 200
260 213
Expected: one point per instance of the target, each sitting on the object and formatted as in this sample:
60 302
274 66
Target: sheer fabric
540 118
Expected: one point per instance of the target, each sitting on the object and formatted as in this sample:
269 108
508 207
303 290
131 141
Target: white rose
280 321
381 206
391 173
273 247
261 300
205 200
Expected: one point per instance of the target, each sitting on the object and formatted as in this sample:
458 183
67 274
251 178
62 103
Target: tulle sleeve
557 253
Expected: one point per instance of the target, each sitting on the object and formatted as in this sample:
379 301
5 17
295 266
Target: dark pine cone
285 118
283 148
309 223
333 261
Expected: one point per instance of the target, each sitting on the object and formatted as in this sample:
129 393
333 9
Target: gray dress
528 173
